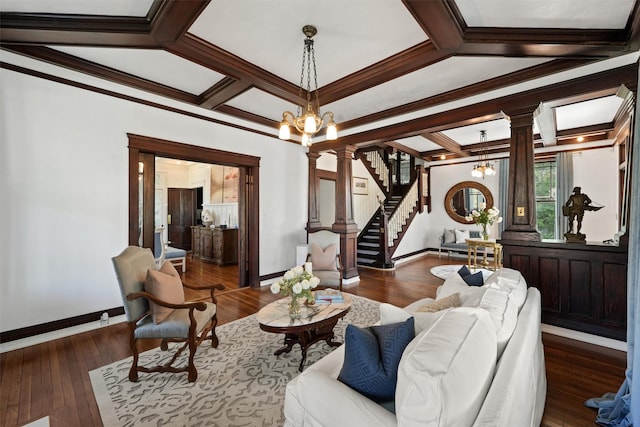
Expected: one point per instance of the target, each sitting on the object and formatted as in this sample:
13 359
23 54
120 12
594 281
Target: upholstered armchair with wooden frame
187 322
323 251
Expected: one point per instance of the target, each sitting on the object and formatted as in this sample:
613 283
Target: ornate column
521 201
313 216
344 223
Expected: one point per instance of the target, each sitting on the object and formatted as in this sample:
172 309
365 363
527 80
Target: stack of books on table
328 296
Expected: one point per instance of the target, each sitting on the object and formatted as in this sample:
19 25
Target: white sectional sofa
481 364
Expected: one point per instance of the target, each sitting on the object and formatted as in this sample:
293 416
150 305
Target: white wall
64 185
596 171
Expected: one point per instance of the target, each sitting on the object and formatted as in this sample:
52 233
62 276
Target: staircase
379 239
369 240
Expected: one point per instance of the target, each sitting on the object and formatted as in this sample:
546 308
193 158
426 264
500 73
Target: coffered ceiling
424 75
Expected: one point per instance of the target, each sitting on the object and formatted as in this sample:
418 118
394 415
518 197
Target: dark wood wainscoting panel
548 275
583 287
614 277
580 292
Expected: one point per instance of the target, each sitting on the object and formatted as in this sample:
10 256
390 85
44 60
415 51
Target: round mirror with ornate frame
464 197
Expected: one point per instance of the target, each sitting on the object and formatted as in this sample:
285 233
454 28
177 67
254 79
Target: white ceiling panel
351 35
262 104
444 76
156 65
609 14
466 135
81 7
601 110
419 143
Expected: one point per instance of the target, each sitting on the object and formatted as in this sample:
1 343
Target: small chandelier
308 120
483 167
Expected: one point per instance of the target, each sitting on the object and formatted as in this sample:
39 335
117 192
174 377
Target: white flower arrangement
296 283
484 217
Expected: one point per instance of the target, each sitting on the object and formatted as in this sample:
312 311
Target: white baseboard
49 336
584 337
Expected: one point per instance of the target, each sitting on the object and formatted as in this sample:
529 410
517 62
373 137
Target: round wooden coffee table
315 324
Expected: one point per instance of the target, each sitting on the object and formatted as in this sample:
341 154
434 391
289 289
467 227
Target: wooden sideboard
583 287
216 245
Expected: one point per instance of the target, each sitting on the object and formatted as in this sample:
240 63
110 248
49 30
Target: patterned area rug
241 383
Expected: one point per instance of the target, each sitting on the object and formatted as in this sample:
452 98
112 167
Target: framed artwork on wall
360 185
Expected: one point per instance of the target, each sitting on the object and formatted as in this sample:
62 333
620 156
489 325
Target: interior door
181 212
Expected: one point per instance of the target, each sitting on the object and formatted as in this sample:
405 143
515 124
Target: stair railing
380 167
402 213
384 254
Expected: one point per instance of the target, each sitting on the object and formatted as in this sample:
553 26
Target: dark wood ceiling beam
483 111
74 63
445 142
208 55
530 73
439 21
396 146
585 131
223 91
78 30
412 59
241 114
173 18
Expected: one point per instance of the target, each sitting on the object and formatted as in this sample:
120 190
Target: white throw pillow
390 314
449 236
461 236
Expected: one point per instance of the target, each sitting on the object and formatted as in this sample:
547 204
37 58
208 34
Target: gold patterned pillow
452 300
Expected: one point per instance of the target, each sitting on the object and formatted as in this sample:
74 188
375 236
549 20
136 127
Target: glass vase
485 233
294 308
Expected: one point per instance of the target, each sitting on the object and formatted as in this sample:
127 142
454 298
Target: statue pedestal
575 237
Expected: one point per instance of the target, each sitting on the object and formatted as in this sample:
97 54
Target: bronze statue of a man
575 207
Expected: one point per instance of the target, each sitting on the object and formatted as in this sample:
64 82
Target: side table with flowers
298 284
484 217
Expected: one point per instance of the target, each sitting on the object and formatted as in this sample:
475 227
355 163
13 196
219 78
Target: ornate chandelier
483 167
308 120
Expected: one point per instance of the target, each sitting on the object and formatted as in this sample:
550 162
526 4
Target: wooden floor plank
575 370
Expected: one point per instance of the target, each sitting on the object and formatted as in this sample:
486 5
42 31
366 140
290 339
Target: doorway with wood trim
142 154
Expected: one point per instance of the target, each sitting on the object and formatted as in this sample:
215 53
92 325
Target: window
545 184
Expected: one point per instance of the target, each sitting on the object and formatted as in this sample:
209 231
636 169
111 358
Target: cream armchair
155 309
323 251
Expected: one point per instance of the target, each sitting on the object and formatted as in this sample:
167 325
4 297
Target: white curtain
503 182
623 408
564 187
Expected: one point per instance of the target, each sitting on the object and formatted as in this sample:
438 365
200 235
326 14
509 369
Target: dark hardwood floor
51 379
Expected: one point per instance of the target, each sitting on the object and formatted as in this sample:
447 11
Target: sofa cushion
512 282
504 315
461 236
372 356
449 236
165 284
324 259
446 371
442 304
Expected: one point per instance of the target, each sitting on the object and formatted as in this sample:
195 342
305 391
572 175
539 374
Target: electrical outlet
520 211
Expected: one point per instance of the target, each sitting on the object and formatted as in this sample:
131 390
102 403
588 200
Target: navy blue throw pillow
372 356
464 271
474 279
